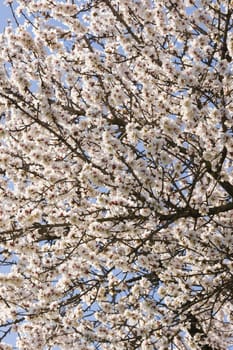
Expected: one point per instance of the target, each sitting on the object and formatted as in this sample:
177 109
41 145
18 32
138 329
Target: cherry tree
116 175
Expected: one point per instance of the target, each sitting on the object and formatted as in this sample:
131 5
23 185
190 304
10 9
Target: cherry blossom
116 175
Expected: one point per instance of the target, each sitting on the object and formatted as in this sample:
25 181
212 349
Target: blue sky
5 13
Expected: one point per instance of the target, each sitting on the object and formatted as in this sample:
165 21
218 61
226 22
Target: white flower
165 159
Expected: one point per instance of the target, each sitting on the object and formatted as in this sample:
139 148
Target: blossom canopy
116 150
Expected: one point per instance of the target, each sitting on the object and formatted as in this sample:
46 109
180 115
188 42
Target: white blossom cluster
116 186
